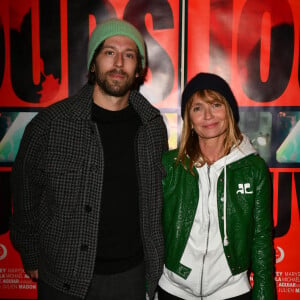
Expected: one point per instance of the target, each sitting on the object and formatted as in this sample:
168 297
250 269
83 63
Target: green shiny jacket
249 219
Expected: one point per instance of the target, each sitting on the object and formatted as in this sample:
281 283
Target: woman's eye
216 104
196 108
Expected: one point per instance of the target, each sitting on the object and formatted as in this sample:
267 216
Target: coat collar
82 104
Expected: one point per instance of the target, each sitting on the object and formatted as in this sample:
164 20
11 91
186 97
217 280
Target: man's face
116 66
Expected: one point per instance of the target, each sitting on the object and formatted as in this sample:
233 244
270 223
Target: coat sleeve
164 137
262 248
26 182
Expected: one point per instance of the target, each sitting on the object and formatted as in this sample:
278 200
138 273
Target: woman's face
208 118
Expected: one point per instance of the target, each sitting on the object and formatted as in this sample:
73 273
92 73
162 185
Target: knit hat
208 81
111 28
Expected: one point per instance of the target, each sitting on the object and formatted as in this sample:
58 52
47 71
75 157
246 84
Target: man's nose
119 59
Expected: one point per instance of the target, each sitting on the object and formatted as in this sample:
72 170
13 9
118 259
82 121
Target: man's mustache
117 72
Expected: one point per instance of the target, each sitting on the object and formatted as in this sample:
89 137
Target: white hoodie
210 277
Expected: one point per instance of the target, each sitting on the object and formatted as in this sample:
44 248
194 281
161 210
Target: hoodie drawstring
225 241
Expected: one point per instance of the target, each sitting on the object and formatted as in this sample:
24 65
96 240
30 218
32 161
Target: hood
238 152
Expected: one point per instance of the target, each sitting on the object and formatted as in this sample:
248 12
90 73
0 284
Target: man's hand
33 274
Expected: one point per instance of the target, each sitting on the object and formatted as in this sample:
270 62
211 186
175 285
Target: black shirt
119 241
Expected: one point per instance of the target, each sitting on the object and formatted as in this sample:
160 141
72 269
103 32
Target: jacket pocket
57 248
63 181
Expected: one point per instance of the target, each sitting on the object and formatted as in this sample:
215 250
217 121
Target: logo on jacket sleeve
244 188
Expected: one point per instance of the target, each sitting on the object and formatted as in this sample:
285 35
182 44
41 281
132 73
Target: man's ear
92 68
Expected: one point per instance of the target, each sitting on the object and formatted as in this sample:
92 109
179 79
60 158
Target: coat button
94 169
88 208
84 247
92 129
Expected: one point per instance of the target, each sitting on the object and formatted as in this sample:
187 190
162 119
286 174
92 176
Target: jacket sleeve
164 140
165 183
262 248
27 180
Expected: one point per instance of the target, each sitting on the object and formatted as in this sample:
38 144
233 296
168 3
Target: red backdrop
254 44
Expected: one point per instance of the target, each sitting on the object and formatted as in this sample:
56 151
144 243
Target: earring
192 131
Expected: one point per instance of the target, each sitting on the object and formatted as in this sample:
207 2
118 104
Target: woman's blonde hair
189 143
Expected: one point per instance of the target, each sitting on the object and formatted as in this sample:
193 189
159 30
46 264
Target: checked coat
57 181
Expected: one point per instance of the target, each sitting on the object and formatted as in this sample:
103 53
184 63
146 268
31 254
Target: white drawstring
225 242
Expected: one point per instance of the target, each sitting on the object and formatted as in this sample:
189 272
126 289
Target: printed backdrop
253 44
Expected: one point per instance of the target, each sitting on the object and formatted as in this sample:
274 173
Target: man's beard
114 87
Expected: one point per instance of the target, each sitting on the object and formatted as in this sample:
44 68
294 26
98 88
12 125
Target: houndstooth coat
57 182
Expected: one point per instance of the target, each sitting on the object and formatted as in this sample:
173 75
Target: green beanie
113 27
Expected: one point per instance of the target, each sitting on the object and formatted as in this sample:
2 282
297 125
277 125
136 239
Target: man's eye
130 55
109 52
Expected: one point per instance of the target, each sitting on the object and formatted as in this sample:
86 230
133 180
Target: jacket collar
82 104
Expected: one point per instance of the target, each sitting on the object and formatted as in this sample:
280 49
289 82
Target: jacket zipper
208 227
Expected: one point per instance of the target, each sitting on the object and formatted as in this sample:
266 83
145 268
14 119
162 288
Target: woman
217 210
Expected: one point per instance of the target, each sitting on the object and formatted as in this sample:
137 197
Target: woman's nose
208 113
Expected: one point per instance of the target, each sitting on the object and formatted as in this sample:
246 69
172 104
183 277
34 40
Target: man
87 181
